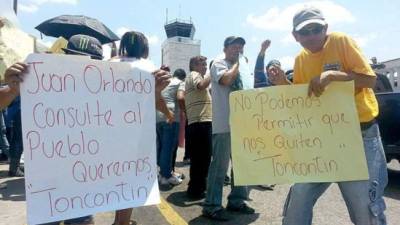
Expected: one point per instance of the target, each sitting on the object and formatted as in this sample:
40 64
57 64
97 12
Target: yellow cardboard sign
279 135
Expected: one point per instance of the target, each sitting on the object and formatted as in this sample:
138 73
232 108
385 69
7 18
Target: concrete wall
177 51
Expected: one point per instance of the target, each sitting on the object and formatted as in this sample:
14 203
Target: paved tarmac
179 210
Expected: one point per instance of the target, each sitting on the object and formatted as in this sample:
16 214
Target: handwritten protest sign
89 136
279 135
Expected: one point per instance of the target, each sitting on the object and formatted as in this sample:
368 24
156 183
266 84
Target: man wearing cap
261 78
84 45
224 73
336 57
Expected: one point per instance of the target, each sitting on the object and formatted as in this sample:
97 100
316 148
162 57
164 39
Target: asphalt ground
177 209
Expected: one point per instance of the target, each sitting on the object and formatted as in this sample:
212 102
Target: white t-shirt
220 97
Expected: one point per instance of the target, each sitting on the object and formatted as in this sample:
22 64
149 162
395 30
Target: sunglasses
313 30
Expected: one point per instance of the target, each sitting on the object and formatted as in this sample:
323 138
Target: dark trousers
200 144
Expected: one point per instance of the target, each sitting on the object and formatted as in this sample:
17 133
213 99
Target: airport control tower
179 46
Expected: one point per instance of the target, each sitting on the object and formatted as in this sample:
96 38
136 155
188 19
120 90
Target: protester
261 78
180 101
199 115
133 47
224 77
336 57
168 132
13 76
95 51
13 119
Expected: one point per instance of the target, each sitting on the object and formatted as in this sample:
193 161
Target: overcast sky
373 24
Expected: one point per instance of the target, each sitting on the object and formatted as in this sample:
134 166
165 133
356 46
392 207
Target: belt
366 125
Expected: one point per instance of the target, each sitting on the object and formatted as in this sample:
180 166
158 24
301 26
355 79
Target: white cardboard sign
89 136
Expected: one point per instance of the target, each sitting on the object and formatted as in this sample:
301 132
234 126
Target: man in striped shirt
199 116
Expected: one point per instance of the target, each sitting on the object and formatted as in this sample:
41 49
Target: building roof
179 28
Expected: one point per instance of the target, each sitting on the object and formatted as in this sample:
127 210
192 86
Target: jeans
16 146
221 154
364 199
167 143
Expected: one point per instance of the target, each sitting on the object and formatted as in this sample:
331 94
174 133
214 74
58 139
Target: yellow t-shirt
339 53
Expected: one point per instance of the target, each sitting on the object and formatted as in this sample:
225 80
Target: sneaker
243 209
219 215
17 173
22 167
174 180
170 181
179 175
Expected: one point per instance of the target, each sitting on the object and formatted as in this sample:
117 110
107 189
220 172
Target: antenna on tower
15 3
166 15
179 16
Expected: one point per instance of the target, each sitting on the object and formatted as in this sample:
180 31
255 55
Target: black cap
233 39
84 45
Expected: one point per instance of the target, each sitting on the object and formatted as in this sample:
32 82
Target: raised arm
260 78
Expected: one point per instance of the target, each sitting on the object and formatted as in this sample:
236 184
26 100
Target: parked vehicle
389 117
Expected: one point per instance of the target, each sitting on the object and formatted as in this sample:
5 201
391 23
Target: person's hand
13 76
265 45
318 84
276 76
170 117
162 78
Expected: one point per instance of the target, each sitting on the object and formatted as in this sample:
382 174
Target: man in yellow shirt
323 59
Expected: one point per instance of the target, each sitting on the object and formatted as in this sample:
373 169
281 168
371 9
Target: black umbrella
69 25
